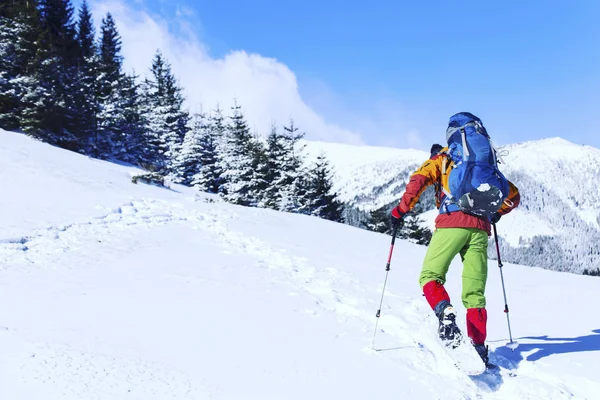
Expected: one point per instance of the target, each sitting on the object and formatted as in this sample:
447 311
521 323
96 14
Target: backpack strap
466 152
497 155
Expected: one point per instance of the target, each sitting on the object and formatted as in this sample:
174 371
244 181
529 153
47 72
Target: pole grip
395 232
389 261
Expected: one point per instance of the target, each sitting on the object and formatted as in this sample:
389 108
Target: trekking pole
387 271
511 345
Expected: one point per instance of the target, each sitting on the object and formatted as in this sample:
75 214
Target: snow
568 170
361 170
519 227
428 218
111 290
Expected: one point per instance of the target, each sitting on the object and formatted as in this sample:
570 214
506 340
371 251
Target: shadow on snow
544 347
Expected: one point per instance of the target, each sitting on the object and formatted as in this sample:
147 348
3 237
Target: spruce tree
166 119
292 169
19 32
86 32
284 167
237 161
129 125
9 99
319 199
111 60
114 93
188 162
58 58
275 153
209 179
379 220
411 229
87 106
260 170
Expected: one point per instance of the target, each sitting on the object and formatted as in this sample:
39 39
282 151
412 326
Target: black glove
495 218
396 216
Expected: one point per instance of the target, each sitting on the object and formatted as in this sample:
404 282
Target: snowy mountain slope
560 212
567 170
119 291
368 177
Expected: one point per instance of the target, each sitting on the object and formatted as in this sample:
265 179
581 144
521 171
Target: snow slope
569 171
110 290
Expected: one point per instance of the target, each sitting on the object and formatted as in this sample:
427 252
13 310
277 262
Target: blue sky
394 71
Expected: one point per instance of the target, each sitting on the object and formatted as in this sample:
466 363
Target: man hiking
471 194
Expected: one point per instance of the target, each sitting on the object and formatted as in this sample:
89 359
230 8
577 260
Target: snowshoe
483 350
448 331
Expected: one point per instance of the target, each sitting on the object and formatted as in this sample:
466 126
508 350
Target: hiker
467 208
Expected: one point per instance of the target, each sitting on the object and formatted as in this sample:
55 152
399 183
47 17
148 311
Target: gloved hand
495 218
396 216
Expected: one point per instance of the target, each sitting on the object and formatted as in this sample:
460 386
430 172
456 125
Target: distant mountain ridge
557 225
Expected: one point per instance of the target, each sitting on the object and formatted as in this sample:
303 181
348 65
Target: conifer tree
275 158
284 167
131 126
56 115
319 199
111 60
258 182
188 162
379 220
86 107
86 32
19 32
166 120
114 92
411 229
209 179
237 161
292 169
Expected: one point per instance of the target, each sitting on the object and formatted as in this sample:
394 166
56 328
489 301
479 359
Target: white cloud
266 88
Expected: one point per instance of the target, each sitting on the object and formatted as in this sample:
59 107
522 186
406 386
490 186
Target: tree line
63 84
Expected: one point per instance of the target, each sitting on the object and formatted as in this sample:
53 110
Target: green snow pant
471 244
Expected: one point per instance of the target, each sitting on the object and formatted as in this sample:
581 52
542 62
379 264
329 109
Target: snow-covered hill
110 290
368 177
557 225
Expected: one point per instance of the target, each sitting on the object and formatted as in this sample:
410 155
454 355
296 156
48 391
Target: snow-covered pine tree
129 143
19 31
292 169
114 93
319 199
238 161
412 229
86 104
211 136
111 60
166 119
259 183
275 154
379 220
188 162
56 113
284 167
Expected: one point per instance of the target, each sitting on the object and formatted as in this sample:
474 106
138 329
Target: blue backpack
476 184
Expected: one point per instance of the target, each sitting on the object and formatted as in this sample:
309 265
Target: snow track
406 326
128 291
